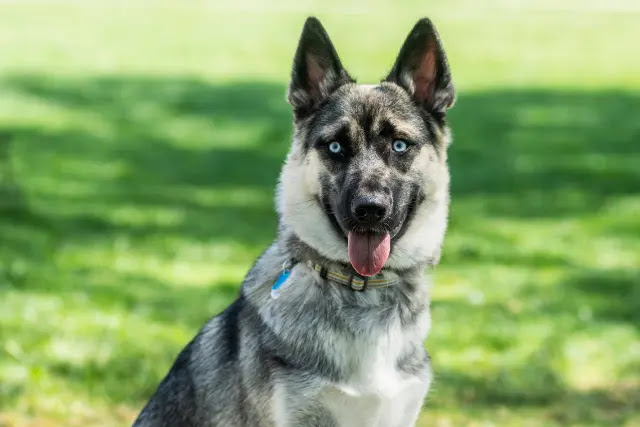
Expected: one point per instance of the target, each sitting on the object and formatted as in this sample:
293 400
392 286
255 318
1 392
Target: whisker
302 202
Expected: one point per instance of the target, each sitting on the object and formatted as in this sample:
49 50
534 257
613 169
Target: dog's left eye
400 146
335 147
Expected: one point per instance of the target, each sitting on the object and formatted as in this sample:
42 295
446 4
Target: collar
355 282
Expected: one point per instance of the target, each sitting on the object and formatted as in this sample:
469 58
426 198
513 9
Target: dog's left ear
317 70
422 69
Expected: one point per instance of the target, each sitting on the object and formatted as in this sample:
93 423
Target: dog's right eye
335 147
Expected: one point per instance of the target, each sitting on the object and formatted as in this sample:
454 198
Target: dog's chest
379 396
371 345
379 393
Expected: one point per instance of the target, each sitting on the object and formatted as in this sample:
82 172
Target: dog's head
366 180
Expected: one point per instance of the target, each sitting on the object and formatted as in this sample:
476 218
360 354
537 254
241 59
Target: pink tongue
368 252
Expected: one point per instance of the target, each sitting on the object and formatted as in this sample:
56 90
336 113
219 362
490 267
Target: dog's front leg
300 408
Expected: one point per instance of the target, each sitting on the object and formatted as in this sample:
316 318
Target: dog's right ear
317 70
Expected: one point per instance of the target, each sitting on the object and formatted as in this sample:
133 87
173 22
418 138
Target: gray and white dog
330 323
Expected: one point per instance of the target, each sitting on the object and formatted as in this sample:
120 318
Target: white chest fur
379 394
351 408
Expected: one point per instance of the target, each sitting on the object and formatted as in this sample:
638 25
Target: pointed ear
422 69
317 70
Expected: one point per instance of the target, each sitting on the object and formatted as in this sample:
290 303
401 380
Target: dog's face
366 180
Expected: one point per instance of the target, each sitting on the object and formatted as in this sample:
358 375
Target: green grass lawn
140 143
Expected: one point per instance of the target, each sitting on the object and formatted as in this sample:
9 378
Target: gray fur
322 354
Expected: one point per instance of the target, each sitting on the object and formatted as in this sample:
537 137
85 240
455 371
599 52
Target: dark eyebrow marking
387 129
341 135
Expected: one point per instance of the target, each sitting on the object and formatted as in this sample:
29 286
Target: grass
139 149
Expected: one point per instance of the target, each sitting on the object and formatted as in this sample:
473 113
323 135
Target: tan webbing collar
354 282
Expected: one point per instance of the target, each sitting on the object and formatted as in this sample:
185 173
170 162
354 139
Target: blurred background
140 143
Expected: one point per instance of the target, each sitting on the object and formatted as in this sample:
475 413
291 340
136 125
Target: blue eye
335 147
400 146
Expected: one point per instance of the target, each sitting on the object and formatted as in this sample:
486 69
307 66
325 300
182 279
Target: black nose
368 210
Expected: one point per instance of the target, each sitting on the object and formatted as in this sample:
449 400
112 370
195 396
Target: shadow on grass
153 144
140 158
149 159
544 153
608 295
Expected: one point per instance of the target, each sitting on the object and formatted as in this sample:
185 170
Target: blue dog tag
275 289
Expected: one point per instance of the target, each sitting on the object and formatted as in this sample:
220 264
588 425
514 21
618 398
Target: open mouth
369 248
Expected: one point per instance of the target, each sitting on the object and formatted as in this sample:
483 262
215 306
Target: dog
329 327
